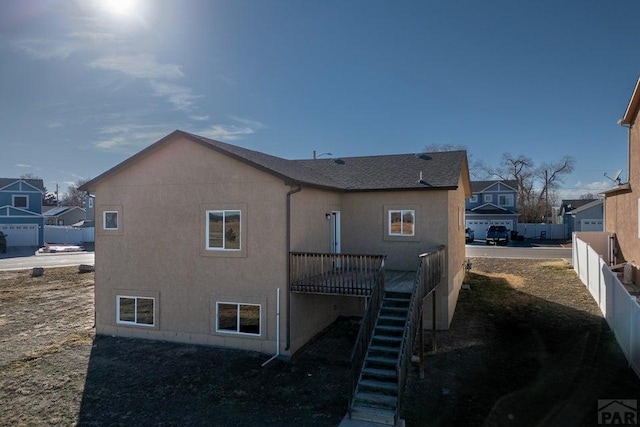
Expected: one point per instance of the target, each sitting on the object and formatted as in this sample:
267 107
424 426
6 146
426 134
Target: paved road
479 249
53 260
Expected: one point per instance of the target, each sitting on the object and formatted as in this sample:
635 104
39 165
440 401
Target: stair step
392 318
387 338
390 328
406 301
373 415
382 360
386 373
396 294
374 400
396 310
379 385
384 348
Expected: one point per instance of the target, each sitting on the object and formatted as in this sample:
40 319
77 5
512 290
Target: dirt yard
527 347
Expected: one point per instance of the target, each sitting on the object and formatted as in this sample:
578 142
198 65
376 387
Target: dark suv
497 234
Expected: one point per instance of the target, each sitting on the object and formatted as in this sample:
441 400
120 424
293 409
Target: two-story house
21 211
492 203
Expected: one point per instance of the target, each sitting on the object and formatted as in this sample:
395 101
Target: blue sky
85 84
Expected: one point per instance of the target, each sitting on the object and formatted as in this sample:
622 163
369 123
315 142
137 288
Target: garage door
591 225
20 234
479 227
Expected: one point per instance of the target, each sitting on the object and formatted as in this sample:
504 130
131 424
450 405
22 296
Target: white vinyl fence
67 235
620 309
542 231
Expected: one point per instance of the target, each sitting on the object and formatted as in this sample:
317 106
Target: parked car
497 234
469 235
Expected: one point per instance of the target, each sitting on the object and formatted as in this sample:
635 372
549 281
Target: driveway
525 250
26 258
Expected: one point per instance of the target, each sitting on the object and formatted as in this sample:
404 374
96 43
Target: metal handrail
429 274
365 333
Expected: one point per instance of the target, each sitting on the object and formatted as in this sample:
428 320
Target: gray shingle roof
34 182
439 170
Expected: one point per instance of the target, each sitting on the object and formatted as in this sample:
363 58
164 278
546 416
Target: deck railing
330 273
365 333
430 272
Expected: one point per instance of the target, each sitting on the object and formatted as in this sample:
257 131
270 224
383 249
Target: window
488 198
223 230
505 200
474 198
238 318
90 202
110 220
135 310
20 202
401 223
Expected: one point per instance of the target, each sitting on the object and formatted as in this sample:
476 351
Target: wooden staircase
376 396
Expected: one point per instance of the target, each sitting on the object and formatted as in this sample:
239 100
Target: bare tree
536 185
477 169
74 196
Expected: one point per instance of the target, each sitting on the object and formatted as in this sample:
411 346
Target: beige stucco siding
159 251
311 232
365 225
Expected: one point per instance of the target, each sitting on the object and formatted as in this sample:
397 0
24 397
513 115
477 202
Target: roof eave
632 108
622 188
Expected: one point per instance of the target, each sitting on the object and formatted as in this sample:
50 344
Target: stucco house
622 202
21 211
492 203
190 228
582 215
63 215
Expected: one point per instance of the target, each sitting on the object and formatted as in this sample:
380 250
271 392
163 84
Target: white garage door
591 225
479 227
20 234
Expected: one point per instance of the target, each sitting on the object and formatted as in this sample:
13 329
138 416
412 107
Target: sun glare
119 7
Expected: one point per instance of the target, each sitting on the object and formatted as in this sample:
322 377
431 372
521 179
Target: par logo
618 412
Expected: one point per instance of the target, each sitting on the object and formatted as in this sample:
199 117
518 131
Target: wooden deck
399 281
335 274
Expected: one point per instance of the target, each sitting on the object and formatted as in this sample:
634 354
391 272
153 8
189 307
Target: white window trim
402 213
206 236
135 310
473 199
13 201
488 198
237 331
509 200
104 220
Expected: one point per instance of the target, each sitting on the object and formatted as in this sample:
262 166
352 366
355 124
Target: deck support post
421 344
433 320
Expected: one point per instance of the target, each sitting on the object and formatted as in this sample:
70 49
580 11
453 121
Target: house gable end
10 211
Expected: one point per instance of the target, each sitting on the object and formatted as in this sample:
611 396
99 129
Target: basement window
238 318
133 310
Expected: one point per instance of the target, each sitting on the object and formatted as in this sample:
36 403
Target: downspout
293 191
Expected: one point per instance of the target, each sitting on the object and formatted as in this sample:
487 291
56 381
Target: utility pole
546 196
57 199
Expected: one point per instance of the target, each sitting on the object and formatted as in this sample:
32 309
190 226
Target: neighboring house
63 215
622 202
89 206
196 238
582 215
21 211
492 203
